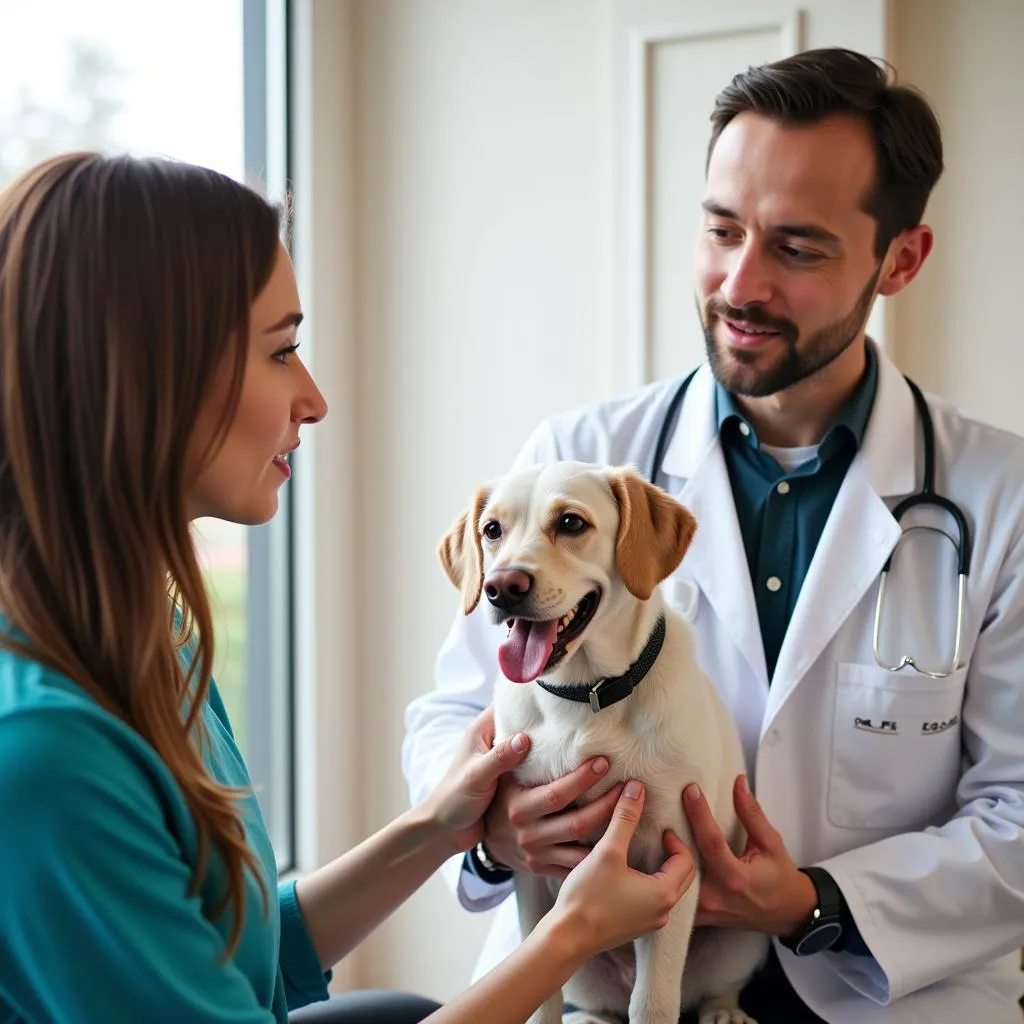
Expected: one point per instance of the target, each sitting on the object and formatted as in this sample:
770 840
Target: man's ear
461 554
908 251
654 532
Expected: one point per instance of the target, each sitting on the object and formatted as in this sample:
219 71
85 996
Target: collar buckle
607 692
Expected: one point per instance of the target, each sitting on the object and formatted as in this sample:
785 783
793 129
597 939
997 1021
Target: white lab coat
922 827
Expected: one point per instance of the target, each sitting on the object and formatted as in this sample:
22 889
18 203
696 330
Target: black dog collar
610 691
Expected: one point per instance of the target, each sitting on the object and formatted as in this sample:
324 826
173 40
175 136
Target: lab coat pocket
895 748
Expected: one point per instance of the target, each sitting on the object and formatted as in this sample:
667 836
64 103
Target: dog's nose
506 589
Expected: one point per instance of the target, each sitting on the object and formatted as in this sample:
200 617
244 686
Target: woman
149 376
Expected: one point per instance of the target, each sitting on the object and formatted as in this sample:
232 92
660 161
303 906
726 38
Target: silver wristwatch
484 858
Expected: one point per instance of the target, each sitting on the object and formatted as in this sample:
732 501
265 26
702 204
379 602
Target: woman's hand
604 902
461 798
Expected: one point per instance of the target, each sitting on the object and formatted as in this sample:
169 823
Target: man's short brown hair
811 86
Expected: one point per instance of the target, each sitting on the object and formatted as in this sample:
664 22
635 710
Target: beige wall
958 330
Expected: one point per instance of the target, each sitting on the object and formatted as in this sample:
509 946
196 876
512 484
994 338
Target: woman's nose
311 406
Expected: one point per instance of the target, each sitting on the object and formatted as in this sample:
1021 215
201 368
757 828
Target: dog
570 556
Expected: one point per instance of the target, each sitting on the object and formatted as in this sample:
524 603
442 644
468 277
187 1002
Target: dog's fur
672 730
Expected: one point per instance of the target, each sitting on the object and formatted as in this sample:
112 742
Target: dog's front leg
660 959
534 899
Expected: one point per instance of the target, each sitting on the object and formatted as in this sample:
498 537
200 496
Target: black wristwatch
824 928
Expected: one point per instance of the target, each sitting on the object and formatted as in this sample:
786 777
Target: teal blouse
98 850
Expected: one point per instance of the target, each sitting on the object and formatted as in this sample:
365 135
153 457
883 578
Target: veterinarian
886 849
148 316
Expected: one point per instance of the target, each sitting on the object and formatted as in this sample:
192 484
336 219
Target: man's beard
796 364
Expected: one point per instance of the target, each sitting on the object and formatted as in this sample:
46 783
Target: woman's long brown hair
125 289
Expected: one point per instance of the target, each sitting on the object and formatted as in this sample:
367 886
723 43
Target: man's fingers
572 826
706 833
557 861
625 817
760 831
556 796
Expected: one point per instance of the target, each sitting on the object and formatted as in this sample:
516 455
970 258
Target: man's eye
492 530
800 255
572 523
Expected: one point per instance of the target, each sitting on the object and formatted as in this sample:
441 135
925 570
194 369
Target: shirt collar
851 421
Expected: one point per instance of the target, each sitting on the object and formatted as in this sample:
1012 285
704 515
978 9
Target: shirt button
783 487
773 583
744 429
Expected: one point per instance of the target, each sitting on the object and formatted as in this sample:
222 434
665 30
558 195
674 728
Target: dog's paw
726 1017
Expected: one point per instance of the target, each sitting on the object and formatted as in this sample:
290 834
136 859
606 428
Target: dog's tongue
524 654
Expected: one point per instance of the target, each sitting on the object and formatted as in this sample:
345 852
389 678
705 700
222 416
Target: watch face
823 936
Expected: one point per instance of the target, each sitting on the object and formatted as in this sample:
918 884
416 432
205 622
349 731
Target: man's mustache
753 315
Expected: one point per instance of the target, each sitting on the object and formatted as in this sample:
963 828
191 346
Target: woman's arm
603 903
535 970
343 902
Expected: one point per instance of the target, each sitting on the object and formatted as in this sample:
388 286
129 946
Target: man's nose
747 282
506 589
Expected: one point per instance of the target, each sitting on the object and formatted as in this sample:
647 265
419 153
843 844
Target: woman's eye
282 354
492 530
572 523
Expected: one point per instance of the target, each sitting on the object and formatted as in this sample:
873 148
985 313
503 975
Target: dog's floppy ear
654 532
461 554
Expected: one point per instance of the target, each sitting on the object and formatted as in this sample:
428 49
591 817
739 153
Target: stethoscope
926 496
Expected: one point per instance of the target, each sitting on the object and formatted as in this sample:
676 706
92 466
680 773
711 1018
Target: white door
672 57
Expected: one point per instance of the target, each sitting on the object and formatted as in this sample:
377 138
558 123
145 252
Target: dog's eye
572 523
492 530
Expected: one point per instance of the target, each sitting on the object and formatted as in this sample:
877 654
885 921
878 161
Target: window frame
270 690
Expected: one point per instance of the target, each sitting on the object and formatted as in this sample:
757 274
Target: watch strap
824 928
830 897
486 868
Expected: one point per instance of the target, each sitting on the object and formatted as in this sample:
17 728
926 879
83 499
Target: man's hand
531 830
762 889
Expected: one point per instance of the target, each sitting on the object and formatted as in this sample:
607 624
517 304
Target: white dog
571 556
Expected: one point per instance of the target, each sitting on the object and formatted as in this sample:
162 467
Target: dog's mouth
535 646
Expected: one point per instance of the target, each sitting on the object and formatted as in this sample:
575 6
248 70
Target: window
203 82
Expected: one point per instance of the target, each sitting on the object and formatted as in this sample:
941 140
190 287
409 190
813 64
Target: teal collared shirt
782 514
